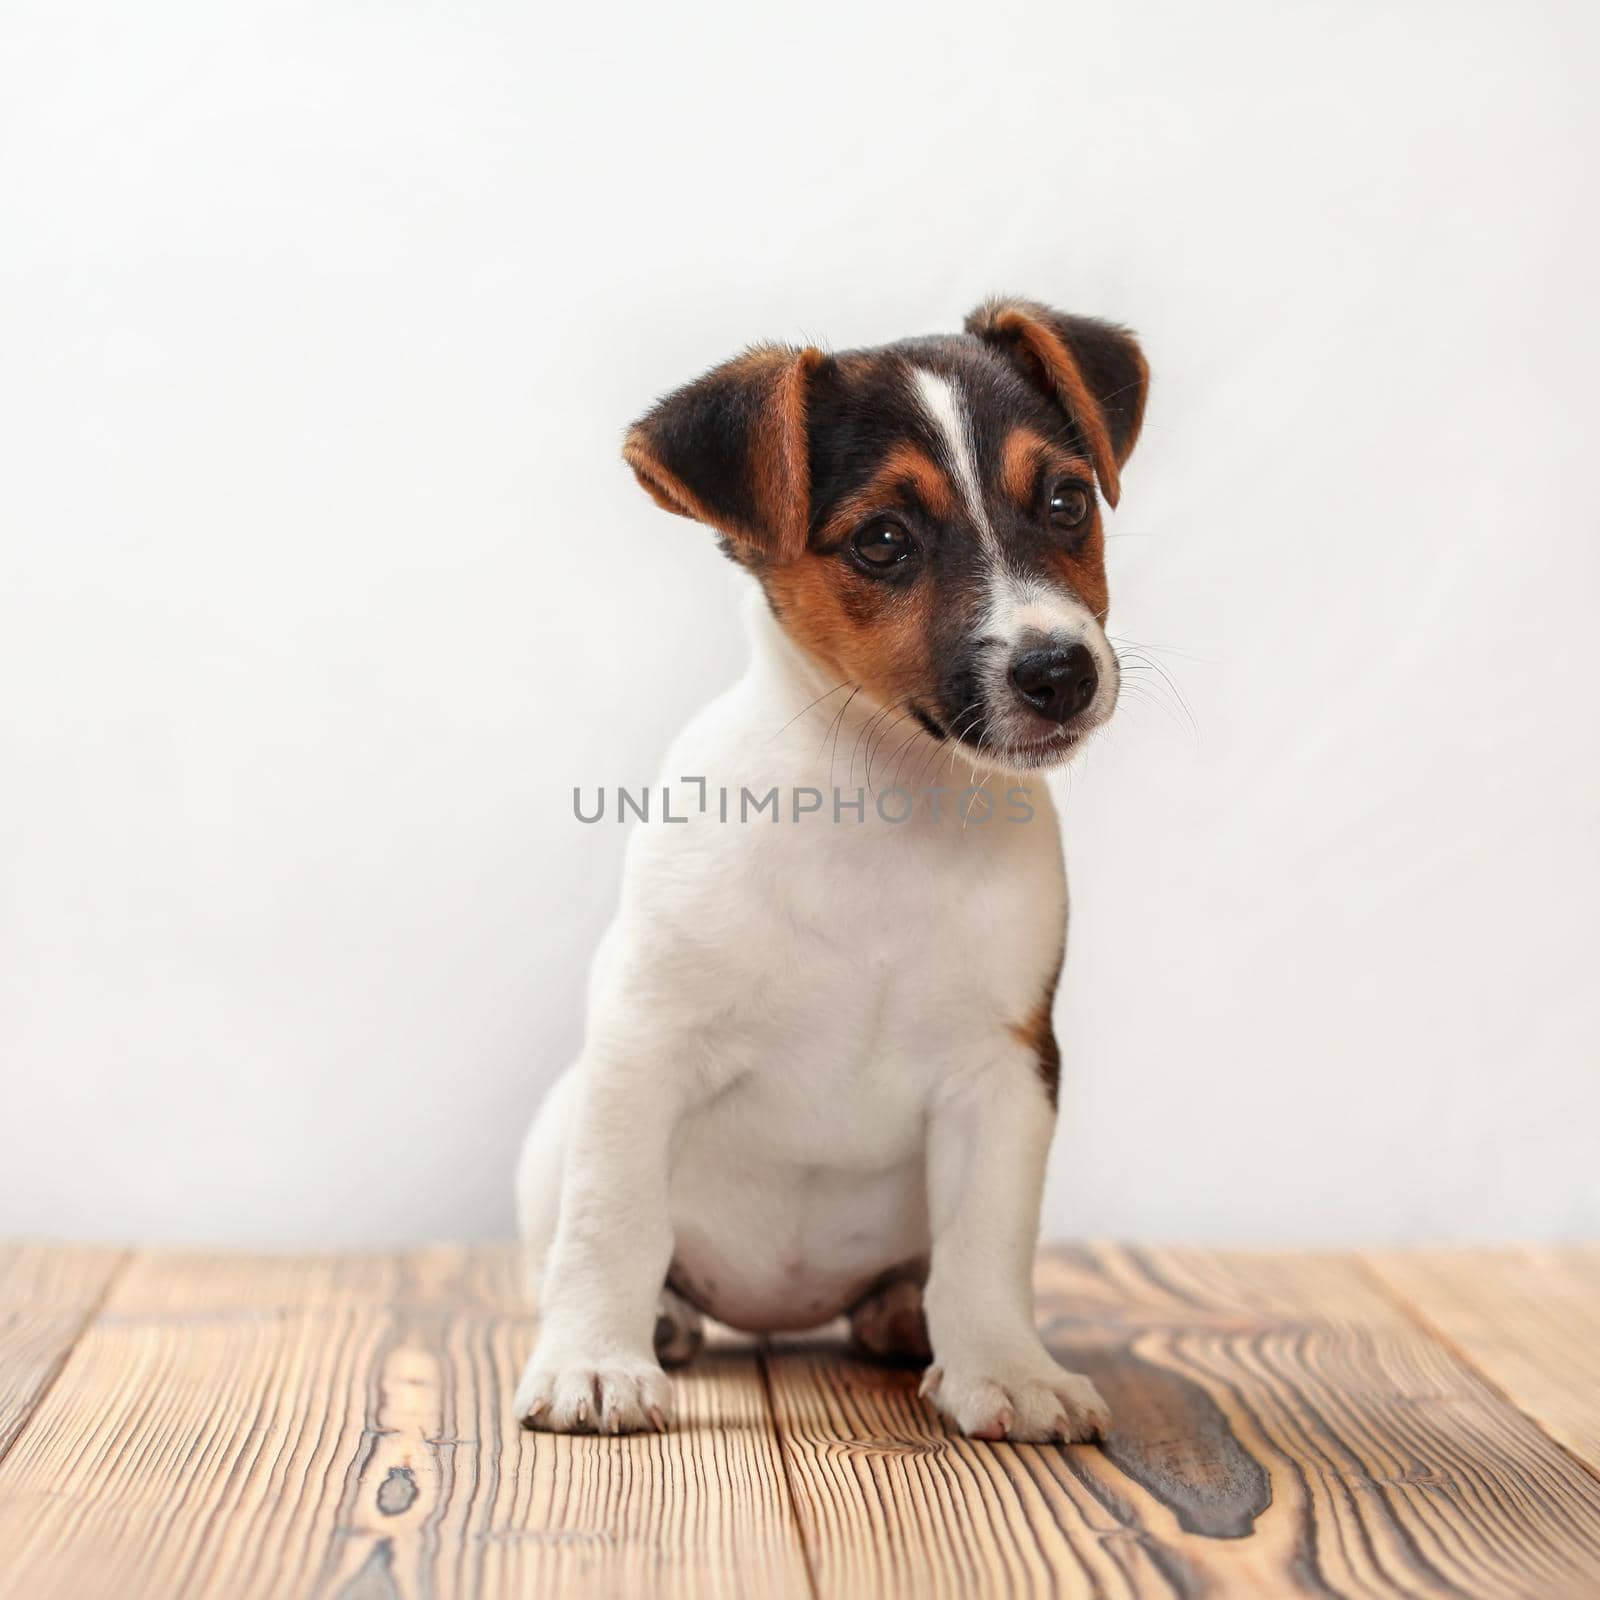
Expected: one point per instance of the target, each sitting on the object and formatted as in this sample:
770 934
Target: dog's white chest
857 969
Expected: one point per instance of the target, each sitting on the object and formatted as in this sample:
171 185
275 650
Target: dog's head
924 517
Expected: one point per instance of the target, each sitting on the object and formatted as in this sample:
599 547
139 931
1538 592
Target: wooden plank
1528 1319
891 1506
341 1428
1282 1429
47 1296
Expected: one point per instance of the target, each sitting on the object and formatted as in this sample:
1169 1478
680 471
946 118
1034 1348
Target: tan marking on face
1083 570
905 469
872 633
910 466
858 628
1020 456
1026 457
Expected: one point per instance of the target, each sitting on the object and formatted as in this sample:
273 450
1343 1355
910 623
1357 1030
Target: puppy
820 1075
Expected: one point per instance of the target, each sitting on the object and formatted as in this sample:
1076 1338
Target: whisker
865 733
805 708
872 749
833 732
1135 657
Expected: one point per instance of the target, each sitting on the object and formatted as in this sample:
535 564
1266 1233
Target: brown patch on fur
923 476
1083 570
906 470
869 632
1026 456
1038 1034
1020 457
854 626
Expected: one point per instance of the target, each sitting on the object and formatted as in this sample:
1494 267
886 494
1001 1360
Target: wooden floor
1380 1424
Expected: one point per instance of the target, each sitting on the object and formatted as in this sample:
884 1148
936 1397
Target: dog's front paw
1028 1398
616 1394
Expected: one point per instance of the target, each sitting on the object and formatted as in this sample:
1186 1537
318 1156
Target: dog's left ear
1094 371
731 450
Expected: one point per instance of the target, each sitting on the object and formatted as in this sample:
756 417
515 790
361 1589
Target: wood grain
341 1428
1287 1425
1528 1319
1393 1467
47 1297
1282 1429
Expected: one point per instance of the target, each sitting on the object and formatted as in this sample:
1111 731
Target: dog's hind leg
888 1325
680 1330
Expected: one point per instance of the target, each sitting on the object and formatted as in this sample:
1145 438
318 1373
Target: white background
321 582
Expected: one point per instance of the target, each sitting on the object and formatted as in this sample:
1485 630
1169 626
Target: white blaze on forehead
947 411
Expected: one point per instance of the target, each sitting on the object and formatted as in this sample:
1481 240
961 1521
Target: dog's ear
730 450
1094 371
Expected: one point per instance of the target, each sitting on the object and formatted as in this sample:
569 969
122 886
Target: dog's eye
1069 504
881 544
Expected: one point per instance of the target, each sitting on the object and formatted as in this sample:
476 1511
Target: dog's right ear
731 450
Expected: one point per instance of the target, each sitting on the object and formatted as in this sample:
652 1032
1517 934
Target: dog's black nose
1058 683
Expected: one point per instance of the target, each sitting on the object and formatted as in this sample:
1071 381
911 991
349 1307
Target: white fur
947 411
801 1070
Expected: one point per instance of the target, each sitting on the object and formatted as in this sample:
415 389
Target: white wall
321 583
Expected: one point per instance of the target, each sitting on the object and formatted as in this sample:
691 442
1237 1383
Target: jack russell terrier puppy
820 1073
